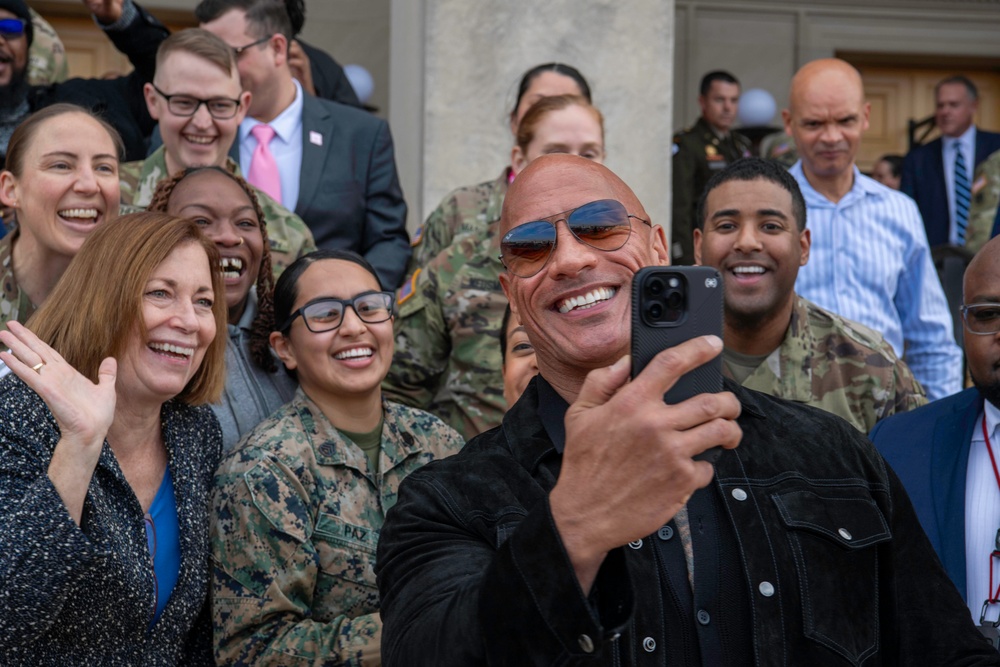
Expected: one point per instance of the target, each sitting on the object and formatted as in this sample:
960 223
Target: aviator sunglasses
603 224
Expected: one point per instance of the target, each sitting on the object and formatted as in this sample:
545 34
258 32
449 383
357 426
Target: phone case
701 315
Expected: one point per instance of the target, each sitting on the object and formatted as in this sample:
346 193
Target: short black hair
894 161
296 14
264 17
970 87
712 77
558 68
752 169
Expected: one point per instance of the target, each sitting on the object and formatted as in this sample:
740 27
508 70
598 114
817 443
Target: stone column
454 70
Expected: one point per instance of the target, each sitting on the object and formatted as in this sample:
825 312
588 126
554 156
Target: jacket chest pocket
834 541
346 554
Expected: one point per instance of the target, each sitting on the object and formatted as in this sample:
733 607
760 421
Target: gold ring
38 367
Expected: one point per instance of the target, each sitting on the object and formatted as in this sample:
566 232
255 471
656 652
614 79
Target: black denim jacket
838 571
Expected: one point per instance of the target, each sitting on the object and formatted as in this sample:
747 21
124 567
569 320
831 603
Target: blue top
164 540
869 262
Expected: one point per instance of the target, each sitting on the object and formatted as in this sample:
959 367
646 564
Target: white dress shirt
967 144
870 262
982 514
286 147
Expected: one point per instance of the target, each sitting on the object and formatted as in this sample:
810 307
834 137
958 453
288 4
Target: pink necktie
263 168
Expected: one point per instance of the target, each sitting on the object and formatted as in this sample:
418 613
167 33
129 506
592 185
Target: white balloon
361 82
757 107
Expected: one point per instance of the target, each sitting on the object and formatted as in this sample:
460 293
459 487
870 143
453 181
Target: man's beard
13 94
989 391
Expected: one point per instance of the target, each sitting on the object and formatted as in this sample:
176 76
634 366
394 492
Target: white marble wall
456 64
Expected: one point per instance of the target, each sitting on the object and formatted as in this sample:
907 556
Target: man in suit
331 164
930 172
943 452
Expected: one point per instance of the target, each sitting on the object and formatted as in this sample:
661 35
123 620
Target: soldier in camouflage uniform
447 358
289 236
14 302
701 151
780 147
468 209
776 342
192 67
984 211
46 55
299 505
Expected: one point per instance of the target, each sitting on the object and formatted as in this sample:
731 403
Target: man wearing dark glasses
135 32
582 532
946 453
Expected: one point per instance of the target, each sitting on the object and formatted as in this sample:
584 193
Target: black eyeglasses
238 50
982 319
220 108
11 28
327 313
603 224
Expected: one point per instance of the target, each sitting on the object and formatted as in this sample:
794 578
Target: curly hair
263 323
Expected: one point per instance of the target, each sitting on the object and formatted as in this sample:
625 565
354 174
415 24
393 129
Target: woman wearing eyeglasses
450 314
226 209
298 506
107 452
60 183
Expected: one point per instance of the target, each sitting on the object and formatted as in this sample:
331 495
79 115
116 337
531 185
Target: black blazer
923 179
349 193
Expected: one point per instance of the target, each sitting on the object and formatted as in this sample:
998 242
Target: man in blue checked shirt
870 261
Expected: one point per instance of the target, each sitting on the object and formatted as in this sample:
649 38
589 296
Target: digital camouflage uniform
297 512
699 153
837 365
983 210
46 56
779 147
290 237
14 304
471 209
447 331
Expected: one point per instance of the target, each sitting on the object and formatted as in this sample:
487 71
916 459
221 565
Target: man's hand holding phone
629 464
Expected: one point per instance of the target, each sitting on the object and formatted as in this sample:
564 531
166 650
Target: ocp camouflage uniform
447 358
46 56
779 147
296 514
837 365
14 303
699 153
470 209
289 236
984 210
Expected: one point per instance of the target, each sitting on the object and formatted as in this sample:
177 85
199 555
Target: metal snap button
586 643
766 589
739 494
649 644
636 544
844 533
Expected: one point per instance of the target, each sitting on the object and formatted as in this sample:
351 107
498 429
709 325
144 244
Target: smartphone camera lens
654 311
654 286
674 300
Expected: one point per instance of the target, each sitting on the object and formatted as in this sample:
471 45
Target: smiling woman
107 451
61 182
298 506
226 209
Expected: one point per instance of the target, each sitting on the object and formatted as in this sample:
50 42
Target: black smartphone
669 306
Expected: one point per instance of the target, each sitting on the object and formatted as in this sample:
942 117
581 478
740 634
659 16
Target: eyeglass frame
345 303
964 309
200 102
238 50
564 218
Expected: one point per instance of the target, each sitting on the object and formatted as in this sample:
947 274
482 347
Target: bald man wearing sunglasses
583 532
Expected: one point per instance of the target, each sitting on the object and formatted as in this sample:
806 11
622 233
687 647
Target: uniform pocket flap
852 521
278 500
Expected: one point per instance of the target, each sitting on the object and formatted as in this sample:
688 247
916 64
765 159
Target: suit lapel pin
315 138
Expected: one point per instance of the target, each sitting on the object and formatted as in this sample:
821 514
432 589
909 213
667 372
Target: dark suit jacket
349 193
923 179
928 449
